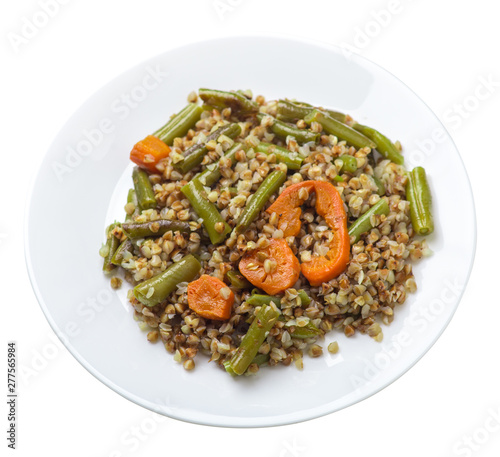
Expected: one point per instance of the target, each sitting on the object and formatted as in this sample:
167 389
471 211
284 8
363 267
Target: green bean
259 300
338 178
292 160
111 246
117 258
159 287
349 164
221 99
380 186
282 130
212 174
193 156
308 331
237 280
382 143
419 195
132 198
143 189
291 111
363 223
263 322
304 298
215 225
267 188
180 124
341 131
261 359
154 228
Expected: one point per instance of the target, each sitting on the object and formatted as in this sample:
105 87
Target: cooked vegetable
237 280
148 153
259 300
143 189
180 124
263 322
382 143
309 330
215 225
364 223
292 160
210 298
112 244
211 174
132 198
330 206
159 287
155 228
418 194
275 273
349 164
221 99
267 188
380 186
282 130
340 130
292 111
117 258
194 155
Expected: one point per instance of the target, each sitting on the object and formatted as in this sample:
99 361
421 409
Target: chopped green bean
292 160
117 258
263 322
282 130
194 155
215 225
338 178
237 280
308 331
349 164
143 189
112 244
418 194
154 228
363 223
222 99
180 124
267 188
259 300
304 298
382 143
380 186
261 359
159 287
340 130
132 198
291 111
212 174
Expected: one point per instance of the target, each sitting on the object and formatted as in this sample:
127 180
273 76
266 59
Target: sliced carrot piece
330 206
272 269
148 152
210 298
287 207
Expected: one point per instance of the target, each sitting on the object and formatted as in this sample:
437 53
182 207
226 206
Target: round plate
81 187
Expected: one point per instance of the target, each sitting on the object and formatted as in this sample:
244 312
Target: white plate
81 186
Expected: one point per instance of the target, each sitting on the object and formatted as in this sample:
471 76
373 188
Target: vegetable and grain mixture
253 228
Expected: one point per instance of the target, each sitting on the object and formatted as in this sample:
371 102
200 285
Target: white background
448 404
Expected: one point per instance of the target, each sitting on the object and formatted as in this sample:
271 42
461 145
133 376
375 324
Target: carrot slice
210 298
148 152
287 207
330 206
272 269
